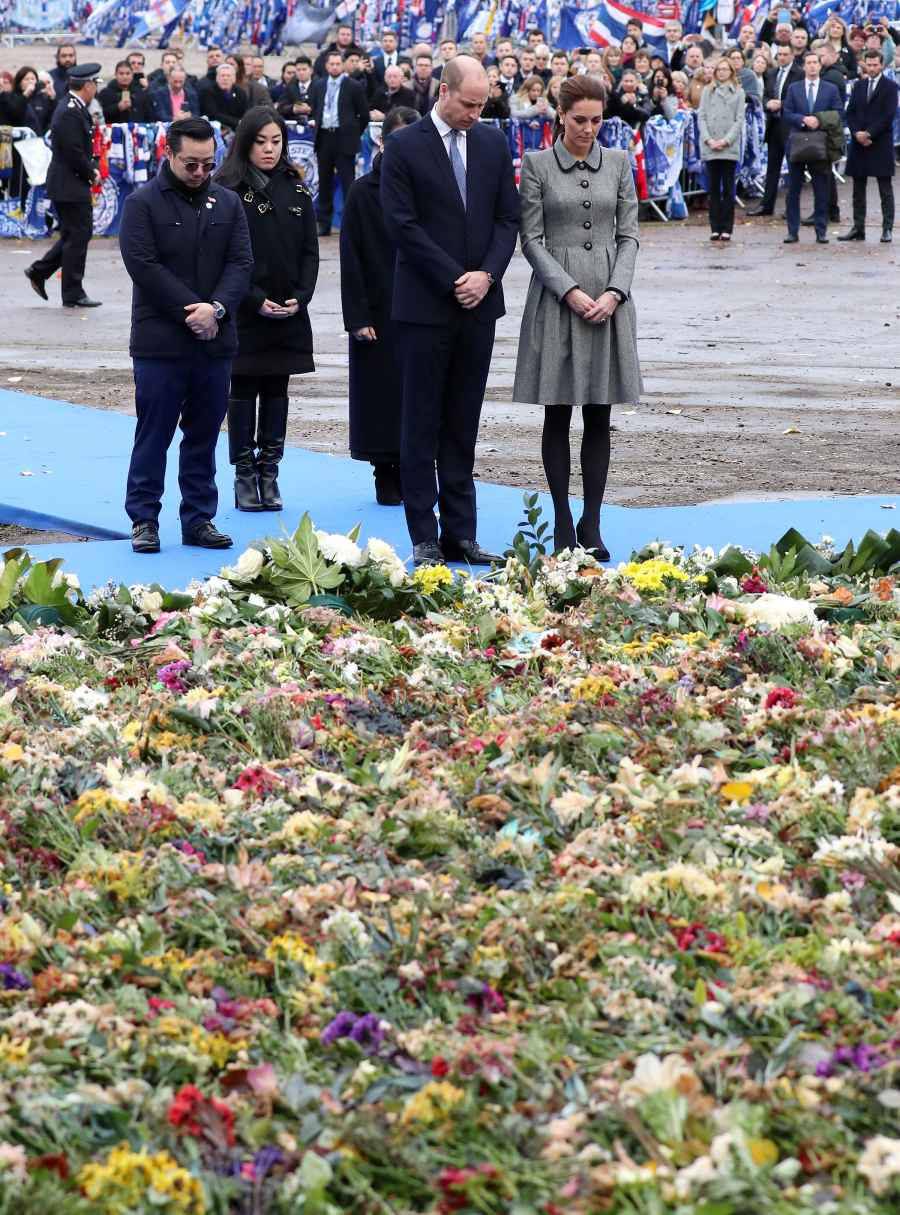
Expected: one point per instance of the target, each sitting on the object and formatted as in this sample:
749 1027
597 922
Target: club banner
589 23
38 14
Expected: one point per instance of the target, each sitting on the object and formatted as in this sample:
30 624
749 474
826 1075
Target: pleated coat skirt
579 228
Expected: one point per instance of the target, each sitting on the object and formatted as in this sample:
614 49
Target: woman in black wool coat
367 285
274 333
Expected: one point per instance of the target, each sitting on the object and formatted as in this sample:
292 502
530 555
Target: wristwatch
490 276
218 310
621 294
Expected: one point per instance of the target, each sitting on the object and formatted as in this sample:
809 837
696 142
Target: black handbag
808 147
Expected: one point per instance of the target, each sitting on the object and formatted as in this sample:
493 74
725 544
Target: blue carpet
78 459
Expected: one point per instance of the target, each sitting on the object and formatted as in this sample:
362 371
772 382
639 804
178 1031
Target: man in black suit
452 210
341 114
803 104
393 92
343 42
221 100
121 102
775 86
389 56
870 117
70 176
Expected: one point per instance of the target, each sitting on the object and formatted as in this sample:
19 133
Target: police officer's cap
82 72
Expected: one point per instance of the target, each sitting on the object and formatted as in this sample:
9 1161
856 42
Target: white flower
880 1163
380 552
776 611
85 698
844 849
348 929
339 548
13 1162
248 566
655 1075
148 602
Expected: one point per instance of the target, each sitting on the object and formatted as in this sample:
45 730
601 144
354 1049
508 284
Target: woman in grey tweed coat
578 342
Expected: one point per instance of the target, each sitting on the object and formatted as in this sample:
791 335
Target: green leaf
331 601
791 539
732 564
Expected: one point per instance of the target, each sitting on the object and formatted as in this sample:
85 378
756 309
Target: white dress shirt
445 132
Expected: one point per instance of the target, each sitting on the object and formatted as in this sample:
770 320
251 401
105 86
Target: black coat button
588 245
581 165
587 204
587 223
585 184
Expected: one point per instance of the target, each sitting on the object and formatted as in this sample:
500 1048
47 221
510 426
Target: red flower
784 698
257 779
439 1067
195 1114
753 584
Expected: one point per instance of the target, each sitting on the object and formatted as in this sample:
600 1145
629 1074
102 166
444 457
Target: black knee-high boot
594 470
241 427
557 469
271 428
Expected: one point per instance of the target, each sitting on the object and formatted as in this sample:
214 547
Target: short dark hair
22 73
811 55
399 116
124 63
303 59
635 21
65 46
188 128
873 54
335 55
351 50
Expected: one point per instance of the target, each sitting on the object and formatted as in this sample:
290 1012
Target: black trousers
69 252
445 371
775 145
332 160
721 194
886 192
192 393
820 173
266 387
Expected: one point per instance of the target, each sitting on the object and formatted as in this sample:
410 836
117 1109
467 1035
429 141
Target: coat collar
567 162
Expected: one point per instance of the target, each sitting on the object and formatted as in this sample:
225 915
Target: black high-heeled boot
241 425
271 427
387 484
590 540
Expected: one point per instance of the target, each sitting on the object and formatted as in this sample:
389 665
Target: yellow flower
429 577
762 1152
11 753
98 801
433 1103
15 1053
653 575
592 687
736 791
132 1180
291 945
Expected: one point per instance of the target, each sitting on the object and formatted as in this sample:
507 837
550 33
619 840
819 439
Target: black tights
266 387
594 468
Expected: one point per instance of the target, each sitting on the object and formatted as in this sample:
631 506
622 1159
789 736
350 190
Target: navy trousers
820 173
445 371
69 253
190 392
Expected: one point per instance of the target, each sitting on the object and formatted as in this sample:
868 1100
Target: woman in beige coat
578 342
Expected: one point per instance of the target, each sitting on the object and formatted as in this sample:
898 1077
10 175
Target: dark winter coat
71 171
36 111
180 252
226 106
140 110
282 224
876 117
367 288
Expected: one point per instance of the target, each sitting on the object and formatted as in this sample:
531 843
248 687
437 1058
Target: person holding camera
805 103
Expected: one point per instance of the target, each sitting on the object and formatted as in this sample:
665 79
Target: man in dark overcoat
452 209
70 176
341 114
870 116
186 246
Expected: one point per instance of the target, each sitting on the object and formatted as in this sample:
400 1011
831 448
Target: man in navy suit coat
870 117
452 210
804 100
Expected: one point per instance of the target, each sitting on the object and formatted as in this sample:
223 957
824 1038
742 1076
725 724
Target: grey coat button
587 223
585 184
587 203
588 245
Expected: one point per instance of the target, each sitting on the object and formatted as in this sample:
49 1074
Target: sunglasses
196 166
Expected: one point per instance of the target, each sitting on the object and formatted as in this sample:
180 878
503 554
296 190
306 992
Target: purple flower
265 1159
170 675
486 1001
851 880
341 1027
12 979
368 1034
756 813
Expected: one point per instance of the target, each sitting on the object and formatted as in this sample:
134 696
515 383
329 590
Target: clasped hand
594 311
811 121
471 288
201 320
278 312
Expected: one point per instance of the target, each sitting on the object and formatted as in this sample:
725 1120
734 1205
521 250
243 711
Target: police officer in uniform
69 179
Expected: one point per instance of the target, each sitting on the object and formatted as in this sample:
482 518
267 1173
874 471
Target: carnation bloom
776 611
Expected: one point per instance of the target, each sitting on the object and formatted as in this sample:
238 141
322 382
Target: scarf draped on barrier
129 154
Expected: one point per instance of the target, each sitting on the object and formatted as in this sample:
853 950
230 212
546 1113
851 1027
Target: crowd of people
426 238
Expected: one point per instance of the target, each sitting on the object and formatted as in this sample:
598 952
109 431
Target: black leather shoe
760 211
854 234
564 536
822 240
886 236
470 551
145 536
428 553
834 216
84 302
205 535
37 284
809 222
790 239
